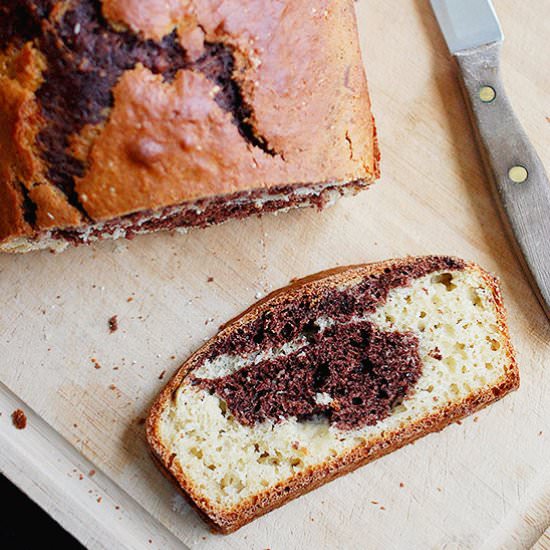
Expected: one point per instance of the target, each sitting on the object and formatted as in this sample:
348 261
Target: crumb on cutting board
19 419
113 323
95 362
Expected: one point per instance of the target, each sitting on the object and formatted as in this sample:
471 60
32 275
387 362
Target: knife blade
473 35
467 24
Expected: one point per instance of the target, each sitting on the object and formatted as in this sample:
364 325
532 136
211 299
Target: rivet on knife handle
519 177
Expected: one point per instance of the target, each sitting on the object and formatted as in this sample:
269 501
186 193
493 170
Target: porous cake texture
326 375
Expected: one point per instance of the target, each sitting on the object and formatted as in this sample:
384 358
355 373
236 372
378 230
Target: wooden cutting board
86 390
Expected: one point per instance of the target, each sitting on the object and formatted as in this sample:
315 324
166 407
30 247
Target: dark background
23 521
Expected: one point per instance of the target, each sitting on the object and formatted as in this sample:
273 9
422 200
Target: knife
474 36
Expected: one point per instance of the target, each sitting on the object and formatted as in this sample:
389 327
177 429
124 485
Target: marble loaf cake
120 117
328 374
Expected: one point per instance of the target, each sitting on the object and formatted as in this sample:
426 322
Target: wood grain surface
472 484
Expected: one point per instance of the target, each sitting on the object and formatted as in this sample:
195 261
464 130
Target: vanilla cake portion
327 374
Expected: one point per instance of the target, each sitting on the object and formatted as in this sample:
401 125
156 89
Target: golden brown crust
21 169
297 64
17 114
154 19
156 138
313 477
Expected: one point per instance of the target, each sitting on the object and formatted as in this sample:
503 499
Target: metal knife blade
473 35
467 23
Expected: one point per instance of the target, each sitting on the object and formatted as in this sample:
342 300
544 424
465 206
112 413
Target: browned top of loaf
109 107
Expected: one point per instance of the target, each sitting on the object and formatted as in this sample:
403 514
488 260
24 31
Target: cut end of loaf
236 461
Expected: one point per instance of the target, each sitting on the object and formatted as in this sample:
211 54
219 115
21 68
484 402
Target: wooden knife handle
520 181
